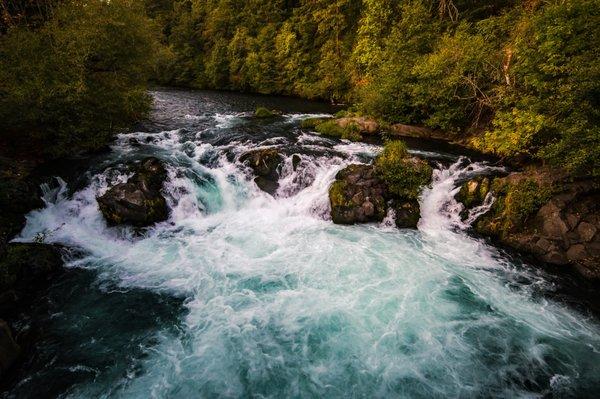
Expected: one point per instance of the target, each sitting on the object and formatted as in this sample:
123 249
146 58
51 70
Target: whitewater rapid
280 302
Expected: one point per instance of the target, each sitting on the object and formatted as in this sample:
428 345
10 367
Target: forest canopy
516 78
519 79
72 73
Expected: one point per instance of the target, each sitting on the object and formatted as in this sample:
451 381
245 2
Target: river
241 294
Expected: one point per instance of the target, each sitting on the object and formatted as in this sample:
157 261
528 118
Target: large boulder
139 201
361 193
265 165
357 196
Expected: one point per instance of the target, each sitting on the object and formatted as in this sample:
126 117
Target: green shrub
403 174
71 84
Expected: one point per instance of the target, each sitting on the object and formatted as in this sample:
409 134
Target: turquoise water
240 294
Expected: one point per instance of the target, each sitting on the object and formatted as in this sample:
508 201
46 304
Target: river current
241 294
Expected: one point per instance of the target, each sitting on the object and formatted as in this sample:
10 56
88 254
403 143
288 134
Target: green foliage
517 201
404 175
74 82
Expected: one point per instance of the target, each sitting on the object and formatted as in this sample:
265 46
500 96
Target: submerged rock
265 164
139 201
357 196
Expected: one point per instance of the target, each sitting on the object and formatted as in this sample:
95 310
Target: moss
515 203
403 175
312 123
262 112
336 193
331 128
473 192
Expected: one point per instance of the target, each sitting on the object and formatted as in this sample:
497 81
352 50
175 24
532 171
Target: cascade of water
280 302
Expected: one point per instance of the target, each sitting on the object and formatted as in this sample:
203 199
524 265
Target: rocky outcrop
558 225
357 196
265 165
363 193
139 201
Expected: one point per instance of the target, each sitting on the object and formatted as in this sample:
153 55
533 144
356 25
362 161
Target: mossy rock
331 128
311 123
262 112
404 175
473 192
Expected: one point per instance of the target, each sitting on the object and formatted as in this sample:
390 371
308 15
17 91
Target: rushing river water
240 294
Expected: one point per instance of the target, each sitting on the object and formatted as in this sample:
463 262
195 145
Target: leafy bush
74 82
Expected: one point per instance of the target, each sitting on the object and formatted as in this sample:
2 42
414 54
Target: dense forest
519 79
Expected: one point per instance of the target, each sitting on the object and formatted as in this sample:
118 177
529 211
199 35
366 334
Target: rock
473 192
553 224
576 252
586 231
296 161
558 225
365 126
9 350
28 265
262 112
265 164
402 130
139 201
357 196
408 214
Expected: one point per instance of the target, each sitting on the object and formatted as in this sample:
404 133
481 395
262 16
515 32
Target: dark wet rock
265 164
357 196
558 226
296 161
473 192
408 213
9 349
139 201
